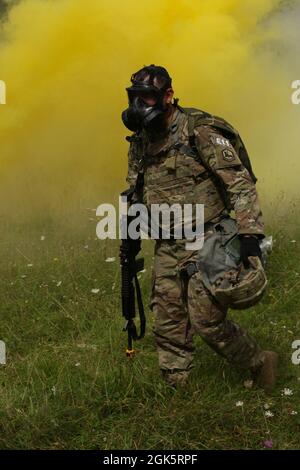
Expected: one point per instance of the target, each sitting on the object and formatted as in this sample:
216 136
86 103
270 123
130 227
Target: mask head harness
146 98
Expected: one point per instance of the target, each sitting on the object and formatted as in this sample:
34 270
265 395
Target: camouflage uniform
184 307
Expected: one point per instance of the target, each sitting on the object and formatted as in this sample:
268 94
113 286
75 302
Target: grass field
67 383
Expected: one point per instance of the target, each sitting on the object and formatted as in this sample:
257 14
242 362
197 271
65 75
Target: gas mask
139 113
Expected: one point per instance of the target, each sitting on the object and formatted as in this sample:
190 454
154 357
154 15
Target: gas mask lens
145 108
146 97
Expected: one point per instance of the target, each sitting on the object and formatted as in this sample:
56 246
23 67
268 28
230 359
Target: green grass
67 383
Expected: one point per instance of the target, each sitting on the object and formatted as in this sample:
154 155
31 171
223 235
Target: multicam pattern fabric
182 307
241 191
175 176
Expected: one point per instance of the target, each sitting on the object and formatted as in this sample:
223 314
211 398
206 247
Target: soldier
182 161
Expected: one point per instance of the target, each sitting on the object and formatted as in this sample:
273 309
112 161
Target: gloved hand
249 247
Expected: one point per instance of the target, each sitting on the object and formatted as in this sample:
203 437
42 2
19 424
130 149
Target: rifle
130 289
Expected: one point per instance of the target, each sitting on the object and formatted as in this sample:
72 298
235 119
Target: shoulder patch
228 155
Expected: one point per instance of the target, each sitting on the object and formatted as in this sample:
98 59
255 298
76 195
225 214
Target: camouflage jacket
173 173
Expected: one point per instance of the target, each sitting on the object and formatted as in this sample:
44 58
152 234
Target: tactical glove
249 247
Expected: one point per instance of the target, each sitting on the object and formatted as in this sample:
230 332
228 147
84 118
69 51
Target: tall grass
67 383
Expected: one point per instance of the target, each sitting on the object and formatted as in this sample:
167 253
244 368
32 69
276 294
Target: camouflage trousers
183 307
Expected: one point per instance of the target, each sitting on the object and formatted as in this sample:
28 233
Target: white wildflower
269 414
95 291
287 392
239 403
293 412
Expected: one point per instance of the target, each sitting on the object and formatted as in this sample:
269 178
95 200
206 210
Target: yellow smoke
66 64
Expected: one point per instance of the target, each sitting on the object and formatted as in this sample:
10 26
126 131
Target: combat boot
265 375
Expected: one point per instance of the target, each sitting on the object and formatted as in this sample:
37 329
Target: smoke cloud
66 64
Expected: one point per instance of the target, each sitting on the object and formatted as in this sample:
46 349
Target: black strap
140 308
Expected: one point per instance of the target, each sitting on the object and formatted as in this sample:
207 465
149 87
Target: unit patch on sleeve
228 155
